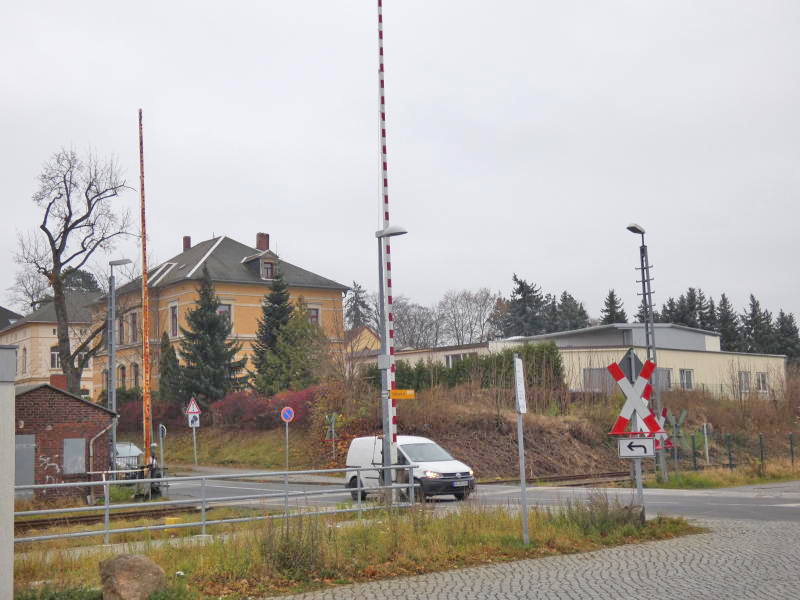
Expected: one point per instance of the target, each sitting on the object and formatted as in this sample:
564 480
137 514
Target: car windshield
425 452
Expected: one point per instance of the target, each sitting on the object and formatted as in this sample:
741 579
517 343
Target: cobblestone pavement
738 559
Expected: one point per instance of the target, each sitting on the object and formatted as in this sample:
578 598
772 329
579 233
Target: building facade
688 359
242 276
36 338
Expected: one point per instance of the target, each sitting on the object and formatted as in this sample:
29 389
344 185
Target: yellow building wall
245 301
34 341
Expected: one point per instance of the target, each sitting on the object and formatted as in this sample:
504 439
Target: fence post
761 466
203 506
791 447
106 510
358 494
411 490
728 441
694 453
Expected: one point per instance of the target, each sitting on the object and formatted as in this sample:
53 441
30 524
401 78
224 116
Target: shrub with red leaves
250 410
130 415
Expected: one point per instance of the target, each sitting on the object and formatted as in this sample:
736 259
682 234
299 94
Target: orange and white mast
146 412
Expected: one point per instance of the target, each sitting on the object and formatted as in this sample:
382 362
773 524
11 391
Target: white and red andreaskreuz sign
636 397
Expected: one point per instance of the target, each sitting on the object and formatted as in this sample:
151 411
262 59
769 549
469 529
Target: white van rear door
372 477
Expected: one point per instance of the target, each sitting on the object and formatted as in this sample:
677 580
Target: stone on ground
130 577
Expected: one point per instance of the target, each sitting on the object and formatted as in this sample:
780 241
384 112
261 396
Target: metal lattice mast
146 414
386 242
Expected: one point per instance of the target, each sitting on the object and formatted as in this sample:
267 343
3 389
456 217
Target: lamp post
386 357
112 353
649 330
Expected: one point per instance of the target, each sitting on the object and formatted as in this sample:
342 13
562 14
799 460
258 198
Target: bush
251 410
130 415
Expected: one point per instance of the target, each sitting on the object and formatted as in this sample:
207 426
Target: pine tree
276 310
169 374
294 361
357 311
669 311
571 313
757 333
728 326
641 314
211 369
787 339
550 314
708 317
525 308
613 311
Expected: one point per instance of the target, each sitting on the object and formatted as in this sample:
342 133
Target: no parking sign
287 414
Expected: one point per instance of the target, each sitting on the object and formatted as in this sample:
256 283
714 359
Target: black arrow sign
631 446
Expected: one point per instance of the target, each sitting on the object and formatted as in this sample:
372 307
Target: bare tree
415 326
80 217
466 315
29 291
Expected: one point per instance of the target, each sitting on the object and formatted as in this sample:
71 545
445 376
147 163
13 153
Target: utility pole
8 372
146 414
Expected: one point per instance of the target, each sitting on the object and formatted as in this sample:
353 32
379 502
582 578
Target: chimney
262 241
59 381
187 242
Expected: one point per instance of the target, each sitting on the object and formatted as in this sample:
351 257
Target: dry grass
314 552
752 473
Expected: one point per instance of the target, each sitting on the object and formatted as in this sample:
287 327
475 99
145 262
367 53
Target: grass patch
750 474
234 448
312 552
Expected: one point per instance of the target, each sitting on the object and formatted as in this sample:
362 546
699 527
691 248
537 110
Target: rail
357 491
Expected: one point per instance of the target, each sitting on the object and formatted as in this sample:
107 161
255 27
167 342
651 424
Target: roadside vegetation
313 552
750 474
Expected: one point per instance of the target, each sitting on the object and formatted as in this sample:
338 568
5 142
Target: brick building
59 437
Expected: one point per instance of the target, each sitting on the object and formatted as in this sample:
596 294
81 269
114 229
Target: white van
437 472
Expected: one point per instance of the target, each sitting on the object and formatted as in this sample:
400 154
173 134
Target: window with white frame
267 270
134 327
687 379
55 358
173 320
744 382
225 310
313 316
761 382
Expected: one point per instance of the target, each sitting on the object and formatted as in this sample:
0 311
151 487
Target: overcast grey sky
523 136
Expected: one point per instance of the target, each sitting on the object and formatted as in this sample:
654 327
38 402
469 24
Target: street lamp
649 330
111 397
385 357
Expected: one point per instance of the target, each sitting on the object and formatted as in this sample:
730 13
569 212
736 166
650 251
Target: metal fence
393 490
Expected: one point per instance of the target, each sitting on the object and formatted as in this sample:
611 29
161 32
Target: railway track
574 480
67 520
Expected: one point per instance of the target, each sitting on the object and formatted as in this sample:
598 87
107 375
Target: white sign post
522 408
8 368
193 413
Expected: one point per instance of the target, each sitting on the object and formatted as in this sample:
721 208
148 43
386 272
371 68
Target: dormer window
267 270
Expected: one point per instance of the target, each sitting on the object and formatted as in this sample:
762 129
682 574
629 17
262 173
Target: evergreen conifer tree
787 339
612 311
669 311
169 373
211 369
525 308
357 311
728 326
708 317
571 313
275 313
757 333
550 320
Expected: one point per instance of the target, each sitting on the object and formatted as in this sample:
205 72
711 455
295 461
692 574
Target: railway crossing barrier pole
106 510
8 368
791 447
694 453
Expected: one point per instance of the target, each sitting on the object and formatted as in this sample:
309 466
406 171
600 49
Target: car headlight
432 474
471 472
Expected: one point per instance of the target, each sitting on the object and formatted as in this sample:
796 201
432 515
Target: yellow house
242 276
37 341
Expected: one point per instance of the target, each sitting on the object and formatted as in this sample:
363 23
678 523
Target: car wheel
462 495
353 483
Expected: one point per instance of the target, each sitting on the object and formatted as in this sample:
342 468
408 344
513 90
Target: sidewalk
264 476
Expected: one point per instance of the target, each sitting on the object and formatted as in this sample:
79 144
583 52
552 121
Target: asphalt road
770 502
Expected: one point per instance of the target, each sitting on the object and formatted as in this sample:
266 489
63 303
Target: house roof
7 317
78 310
227 261
24 389
353 333
617 326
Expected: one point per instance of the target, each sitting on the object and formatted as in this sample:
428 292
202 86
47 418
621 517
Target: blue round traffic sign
287 414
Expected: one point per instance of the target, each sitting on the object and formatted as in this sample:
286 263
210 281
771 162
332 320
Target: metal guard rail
204 502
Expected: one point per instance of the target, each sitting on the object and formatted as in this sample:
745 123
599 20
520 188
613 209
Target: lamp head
637 229
391 231
119 262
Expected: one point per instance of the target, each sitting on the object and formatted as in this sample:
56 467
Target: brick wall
53 416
